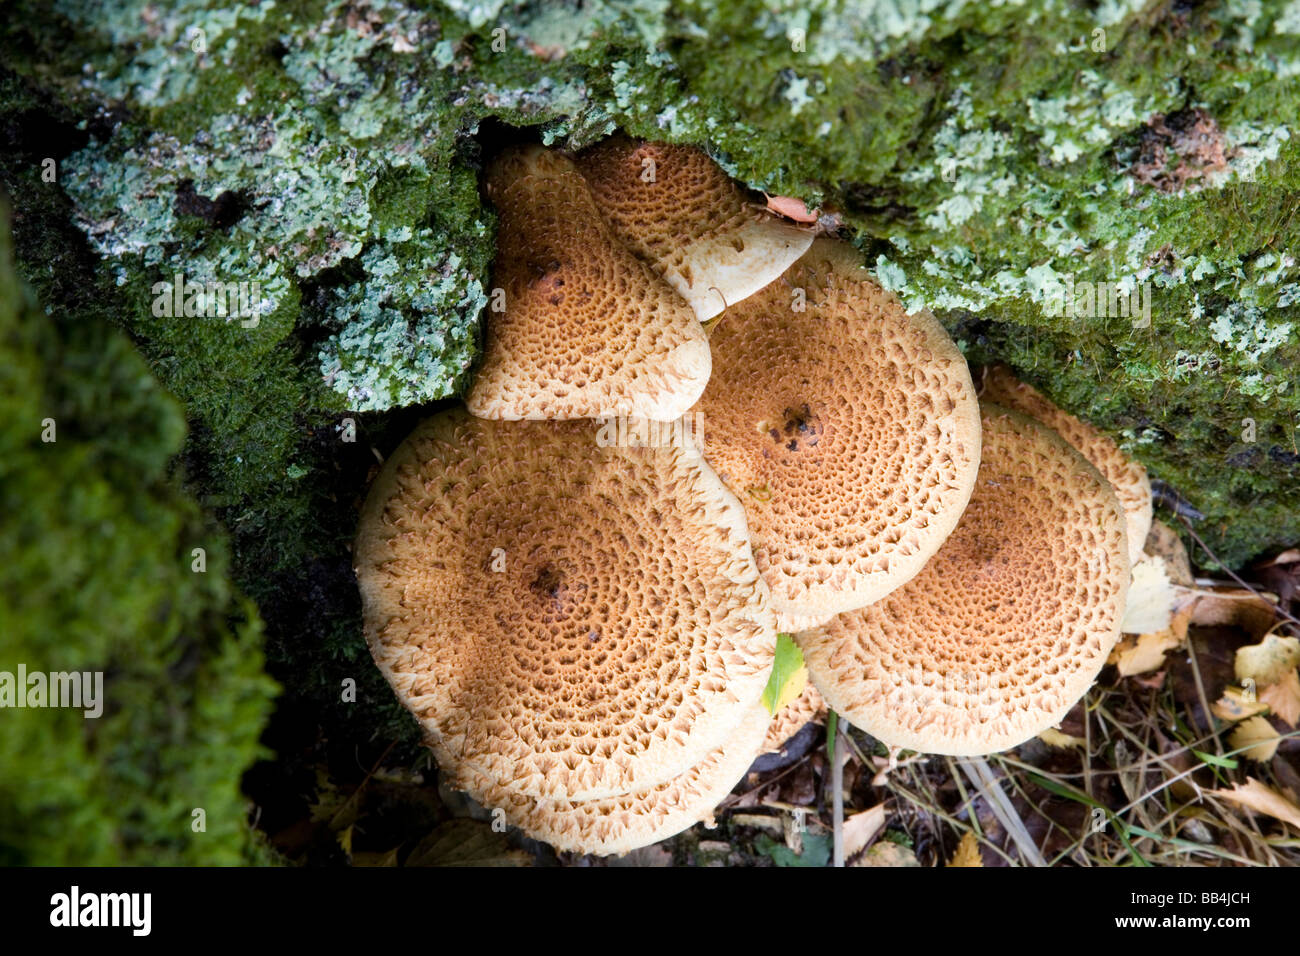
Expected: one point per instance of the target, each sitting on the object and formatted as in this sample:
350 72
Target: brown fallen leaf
1289 556
1262 799
1259 738
388 858
861 828
1236 704
760 821
1236 607
466 843
1282 576
968 851
1287 777
1142 653
1150 681
1162 541
1283 697
647 856
1268 661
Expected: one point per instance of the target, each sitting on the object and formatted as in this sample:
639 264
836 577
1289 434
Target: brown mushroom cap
1128 478
689 221
569 619
1007 626
849 431
793 717
644 816
588 329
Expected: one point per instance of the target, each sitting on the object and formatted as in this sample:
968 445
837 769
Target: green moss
96 560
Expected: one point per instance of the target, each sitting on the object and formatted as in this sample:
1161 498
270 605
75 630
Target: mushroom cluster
576 583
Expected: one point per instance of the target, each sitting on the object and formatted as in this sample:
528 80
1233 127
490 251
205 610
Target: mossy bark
981 156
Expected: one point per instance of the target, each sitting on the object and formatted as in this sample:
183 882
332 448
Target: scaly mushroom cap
676 209
848 430
588 329
1128 478
570 618
793 717
1007 626
791 623
644 816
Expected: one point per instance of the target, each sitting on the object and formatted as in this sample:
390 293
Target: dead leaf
1054 738
1262 799
1142 653
888 853
761 821
1287 777
466 843
1236 607
1236 704
1268 661
1289 556
388 858
968 851
654 855
1150 681
1150 598
861 828
1259 738
1162 541
1283 697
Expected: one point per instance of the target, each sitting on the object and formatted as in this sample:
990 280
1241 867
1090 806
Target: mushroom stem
836 748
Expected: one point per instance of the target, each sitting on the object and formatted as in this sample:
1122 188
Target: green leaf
1226 762
816 850
789 676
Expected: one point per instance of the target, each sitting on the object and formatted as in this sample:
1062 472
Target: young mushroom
1127 477
567 618
848 429
676 209
586 330
1009 623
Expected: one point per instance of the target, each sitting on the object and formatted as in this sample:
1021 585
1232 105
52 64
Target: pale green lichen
399 343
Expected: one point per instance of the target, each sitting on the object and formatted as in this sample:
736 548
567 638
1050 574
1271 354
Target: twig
737 797
1210 719
982 777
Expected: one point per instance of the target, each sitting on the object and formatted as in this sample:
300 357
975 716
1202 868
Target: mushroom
792 623
636 819
678 211
1127 477
1010 622
848 429
568 618
586 329
793 717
